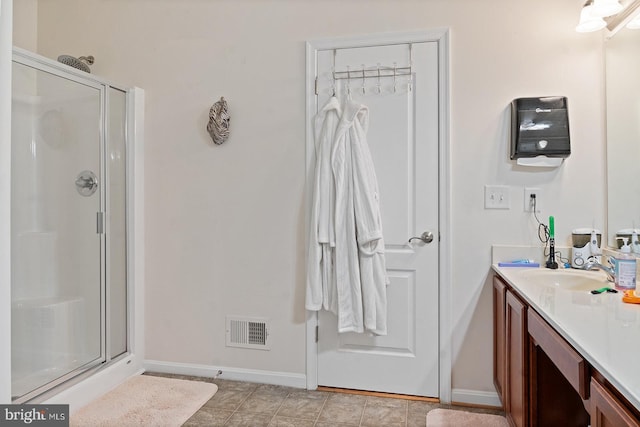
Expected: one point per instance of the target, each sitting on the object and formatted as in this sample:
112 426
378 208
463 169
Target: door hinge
317 332
100 222
316 86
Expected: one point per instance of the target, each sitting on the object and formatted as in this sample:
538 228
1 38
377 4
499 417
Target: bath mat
451 418
146 401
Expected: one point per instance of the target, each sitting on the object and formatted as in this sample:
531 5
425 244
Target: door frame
441 37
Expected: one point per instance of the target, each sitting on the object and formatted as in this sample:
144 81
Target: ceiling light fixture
634 24
604 8
588 21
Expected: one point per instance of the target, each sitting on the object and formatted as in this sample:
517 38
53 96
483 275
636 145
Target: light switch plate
497 197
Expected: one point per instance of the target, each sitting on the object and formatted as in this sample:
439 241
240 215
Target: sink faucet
595 265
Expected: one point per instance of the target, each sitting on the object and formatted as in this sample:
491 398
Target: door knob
426 237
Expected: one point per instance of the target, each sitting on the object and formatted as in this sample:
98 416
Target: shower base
49 340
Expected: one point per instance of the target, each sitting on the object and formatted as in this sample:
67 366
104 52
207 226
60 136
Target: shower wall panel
117 225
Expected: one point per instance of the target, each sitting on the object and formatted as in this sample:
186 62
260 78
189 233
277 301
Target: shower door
58 267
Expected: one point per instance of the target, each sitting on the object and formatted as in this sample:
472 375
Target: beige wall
224 224
25 33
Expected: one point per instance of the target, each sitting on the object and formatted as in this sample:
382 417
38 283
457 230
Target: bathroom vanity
563 356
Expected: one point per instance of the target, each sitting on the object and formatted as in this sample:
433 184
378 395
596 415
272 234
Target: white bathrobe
321 287
347 273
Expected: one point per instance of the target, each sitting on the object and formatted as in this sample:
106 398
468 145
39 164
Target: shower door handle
86 183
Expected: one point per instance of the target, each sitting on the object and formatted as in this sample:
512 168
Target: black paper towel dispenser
540 129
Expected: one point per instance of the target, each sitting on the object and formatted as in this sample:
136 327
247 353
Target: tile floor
254 405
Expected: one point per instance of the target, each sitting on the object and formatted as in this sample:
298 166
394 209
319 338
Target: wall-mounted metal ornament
218 126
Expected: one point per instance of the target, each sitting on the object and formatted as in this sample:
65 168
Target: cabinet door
499 331
516 405
607 410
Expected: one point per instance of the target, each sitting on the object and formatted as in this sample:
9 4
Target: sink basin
572 280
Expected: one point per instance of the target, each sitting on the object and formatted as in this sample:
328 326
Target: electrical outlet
496 197
528 200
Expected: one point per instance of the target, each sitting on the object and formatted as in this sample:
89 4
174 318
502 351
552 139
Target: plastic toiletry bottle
624 265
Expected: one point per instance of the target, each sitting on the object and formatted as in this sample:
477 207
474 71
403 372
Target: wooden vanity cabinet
607 410
499 334
541 379
517 402
510 353
558 378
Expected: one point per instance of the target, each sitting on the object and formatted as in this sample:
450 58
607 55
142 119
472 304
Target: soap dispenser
624 266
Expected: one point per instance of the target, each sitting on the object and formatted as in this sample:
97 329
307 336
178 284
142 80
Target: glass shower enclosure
68 224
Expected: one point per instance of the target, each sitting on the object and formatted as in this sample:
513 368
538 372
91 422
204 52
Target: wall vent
247 332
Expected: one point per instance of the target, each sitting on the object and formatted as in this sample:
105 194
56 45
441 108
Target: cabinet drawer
607 410
574 368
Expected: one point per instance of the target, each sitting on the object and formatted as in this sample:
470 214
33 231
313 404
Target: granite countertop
603 329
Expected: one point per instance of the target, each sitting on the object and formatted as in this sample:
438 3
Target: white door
403 139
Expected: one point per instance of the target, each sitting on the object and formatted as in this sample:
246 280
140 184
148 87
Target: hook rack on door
370 73
373 72
379 72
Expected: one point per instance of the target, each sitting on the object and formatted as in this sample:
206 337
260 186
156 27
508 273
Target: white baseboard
474 397
287 379
470 397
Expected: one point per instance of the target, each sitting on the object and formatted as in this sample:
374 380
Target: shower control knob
86 183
